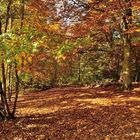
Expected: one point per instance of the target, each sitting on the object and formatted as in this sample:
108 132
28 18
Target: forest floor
76 114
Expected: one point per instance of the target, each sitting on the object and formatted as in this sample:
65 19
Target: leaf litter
75 113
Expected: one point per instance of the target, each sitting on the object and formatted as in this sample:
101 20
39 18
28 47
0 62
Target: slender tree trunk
9 83
54 77
79 68
4 89
22 12
0 27
8 15
16 91
3 77
11 21
3 107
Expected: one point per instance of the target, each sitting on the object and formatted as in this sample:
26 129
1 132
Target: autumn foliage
69 69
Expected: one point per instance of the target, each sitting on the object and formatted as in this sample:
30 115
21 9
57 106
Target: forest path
76 114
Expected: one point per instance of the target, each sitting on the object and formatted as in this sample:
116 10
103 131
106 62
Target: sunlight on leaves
97 101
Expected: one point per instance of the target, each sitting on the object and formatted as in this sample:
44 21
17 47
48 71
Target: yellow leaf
25 62
23 54
55 26
19 59
138 30
30 59
90 1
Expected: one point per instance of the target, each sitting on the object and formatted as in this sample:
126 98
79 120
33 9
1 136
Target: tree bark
22 13
17 91
126 68
54 77
3 107
8 15
9 83
0 27
4 90
79 68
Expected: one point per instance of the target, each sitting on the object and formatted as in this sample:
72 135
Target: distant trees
112 26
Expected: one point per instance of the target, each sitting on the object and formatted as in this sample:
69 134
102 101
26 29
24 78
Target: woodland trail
76 114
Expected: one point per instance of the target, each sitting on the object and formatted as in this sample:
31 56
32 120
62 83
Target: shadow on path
77 114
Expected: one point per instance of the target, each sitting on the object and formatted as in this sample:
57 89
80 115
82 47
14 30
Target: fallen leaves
75 113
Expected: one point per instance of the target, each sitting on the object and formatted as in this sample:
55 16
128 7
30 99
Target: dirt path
76 114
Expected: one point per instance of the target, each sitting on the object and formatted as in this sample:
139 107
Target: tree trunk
54 77
79 69
9 83
17 91
0 27
126 68
4 90
2 103
22 13
3 107
8 15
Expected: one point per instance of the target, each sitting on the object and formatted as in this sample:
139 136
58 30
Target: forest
69 69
